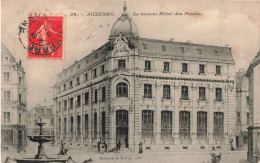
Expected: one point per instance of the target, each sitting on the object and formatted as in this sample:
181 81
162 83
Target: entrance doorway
122 128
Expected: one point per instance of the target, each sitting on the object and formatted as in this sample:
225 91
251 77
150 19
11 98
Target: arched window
121 90
6 58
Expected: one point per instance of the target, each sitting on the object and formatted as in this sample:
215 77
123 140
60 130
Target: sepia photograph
130 81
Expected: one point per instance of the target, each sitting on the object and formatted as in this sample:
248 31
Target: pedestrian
98 145
105 144
118 145
231 145
140 148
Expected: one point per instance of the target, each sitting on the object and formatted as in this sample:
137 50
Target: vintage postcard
130 81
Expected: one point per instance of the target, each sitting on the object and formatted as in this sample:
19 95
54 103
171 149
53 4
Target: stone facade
44 114
253 74
13 102
168 95
242 119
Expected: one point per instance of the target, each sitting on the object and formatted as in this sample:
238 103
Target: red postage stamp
45 37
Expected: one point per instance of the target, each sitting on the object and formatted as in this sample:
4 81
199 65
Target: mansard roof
191 50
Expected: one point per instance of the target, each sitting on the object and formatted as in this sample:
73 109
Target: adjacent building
13 102
44 114
168 95
242 97
253 73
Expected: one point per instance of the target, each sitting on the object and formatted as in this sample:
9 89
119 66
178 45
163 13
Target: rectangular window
6 76
147 124
184 125
7 95
20 118
166 91
218 70
78 100
166 67
216 52
184 67
20 80
71 127
59 106
218 94
145 46
65 104
103 93
96 96
78 81
65 127
86 98
218 125
71 84
202 125
202 93
103 132
238 117
86 76
64 87
182 49
201 69
102 69
71 103
247 118
163 47
95 126
121 63
94 72
148 65
147 90
86 126
184 93
199 51
166 124
20 98
59 90
78 127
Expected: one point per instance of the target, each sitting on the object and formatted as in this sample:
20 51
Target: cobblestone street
80 154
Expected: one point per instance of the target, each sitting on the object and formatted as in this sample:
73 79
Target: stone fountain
41 157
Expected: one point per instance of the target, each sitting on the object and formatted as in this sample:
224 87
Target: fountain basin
41 138
49 160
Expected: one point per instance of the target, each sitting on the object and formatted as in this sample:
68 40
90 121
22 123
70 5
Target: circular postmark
45 35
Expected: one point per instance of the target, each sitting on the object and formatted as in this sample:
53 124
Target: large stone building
13 102
168 95
253 73
242 121
44 114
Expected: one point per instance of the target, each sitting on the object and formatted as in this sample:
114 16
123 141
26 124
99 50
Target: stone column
194 99
210 120
67 107
176 113
74 119
61 120
157 114
82 128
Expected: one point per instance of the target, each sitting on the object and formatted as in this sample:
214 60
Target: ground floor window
184 123
147 124
218 125
65 127
86 126
166 124
103 125
202 125
95 126
71 127
78 126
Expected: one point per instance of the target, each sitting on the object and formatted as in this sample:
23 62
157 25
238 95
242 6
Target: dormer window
145 46
199 51
163 47
182 50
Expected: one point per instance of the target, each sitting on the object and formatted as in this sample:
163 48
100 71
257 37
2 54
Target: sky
232 23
